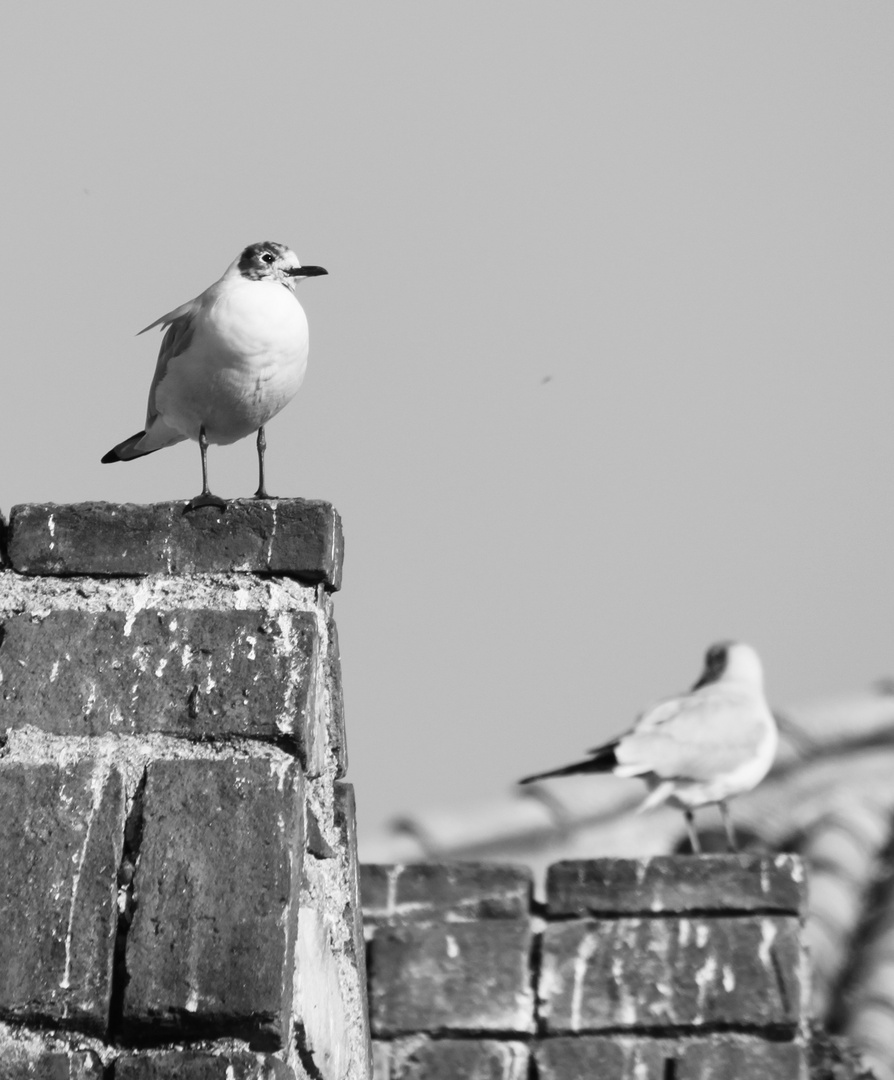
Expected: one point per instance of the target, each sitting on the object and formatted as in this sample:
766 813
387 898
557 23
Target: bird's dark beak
307 271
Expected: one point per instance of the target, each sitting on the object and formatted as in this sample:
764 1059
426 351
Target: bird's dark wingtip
124 451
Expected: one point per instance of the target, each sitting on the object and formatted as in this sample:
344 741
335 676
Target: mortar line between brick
126 881
668 914
535 961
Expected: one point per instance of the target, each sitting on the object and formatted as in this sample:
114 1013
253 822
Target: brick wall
661 969
179 891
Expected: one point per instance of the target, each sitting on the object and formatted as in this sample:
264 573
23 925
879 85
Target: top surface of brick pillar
296 537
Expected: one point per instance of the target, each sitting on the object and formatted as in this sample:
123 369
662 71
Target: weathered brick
200 1065
422 892
297 537
332 1023
354 945
422 1058
211 946
60 846
337 732
715 1057
346 826
185 672
655 973
451 977
667 883
21 1064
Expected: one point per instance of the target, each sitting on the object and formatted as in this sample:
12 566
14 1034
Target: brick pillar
660 969
178 856
450 988
681 967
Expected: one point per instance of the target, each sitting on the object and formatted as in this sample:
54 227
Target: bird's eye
268 258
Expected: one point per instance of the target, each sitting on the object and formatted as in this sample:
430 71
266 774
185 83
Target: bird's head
731 661
269 261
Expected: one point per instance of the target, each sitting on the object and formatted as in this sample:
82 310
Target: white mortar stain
281 772
391 896
97 778
582 958
796 865
285 718
768 936
684 933
729 979
701 935
452 947
139 599
320 706
269 554
54 671
704 980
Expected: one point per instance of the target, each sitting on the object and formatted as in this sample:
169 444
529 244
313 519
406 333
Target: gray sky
602 370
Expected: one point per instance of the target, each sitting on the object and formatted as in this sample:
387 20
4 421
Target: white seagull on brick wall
711 744
230 360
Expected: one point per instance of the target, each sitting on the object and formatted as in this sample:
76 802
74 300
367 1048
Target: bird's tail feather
602 762
127 450
157 436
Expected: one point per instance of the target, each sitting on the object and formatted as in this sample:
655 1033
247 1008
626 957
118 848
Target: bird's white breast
245 361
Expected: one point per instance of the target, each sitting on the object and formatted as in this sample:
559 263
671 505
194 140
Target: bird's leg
730 829
693 835
261 493
206 498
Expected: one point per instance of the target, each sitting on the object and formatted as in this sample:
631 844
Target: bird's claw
261 494
205 499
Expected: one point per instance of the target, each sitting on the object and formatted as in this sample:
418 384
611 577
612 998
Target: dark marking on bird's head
715 663
258 261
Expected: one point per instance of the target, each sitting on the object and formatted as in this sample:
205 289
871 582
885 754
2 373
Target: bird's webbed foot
205 499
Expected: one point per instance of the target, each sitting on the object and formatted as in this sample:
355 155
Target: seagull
703 747
229 361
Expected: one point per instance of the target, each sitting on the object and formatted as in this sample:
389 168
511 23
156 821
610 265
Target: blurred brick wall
663 969
179 889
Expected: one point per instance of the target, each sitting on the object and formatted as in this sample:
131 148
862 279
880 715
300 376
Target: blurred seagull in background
711 744
229 361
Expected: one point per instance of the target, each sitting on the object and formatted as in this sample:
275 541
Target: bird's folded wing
655 715
176 340
705 738
661 712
